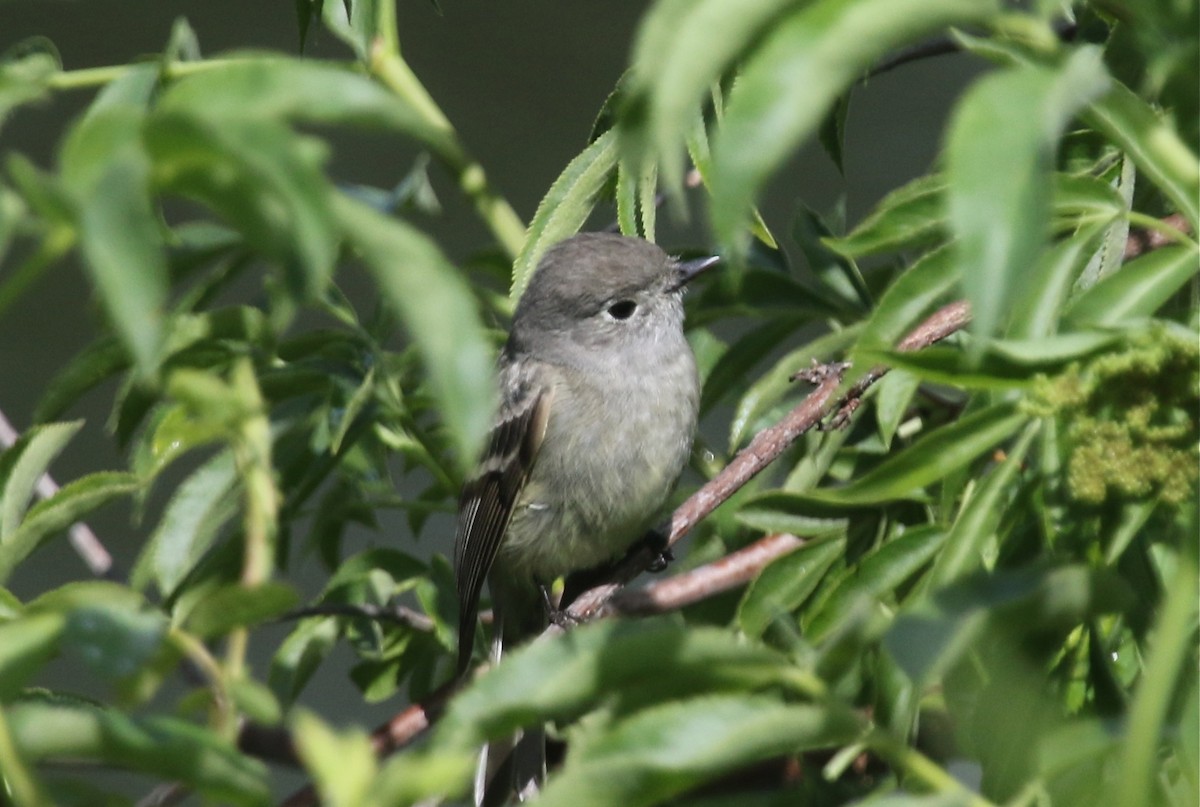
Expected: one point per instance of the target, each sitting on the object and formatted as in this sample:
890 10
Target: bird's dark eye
622 309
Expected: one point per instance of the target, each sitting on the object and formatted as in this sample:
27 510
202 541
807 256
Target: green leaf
682 49
114 642
789 83
933 457
22 464
1036 313
62 510
911 216
197 510
998 168
299 655
1138 289
235 606
1156 148
562 677
271 88
260 178
439 311
342 764
906 302
893 395
24 79
785 584
26 643
107 170
670 748
979 516
565 207
163 747
97 362
876 576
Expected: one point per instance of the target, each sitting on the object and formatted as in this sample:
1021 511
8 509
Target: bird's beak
689 270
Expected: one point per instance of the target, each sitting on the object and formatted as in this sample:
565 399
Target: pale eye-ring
622 309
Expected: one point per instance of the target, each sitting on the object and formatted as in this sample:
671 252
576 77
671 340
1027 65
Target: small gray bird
599 394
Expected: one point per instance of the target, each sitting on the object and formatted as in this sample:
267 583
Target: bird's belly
596 491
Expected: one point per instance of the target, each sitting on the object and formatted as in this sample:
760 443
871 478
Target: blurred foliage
996 598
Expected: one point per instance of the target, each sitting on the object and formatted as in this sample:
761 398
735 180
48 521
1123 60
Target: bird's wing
487 500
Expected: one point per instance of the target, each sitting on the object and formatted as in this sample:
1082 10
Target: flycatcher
598 401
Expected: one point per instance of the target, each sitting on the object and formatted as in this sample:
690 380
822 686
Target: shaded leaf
933 457
565 207
789 83
427 292
160 746
785 584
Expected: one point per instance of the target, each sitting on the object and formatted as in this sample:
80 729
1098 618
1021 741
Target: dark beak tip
688 270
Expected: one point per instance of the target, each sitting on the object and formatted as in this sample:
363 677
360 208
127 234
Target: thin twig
681 590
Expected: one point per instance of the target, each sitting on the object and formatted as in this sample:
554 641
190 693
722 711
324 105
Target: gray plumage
599 396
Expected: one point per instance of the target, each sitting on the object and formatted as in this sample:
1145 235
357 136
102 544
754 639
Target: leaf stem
394 73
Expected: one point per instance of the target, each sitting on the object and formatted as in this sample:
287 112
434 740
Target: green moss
1130 419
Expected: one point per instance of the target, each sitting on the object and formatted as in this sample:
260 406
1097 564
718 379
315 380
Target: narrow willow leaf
789 83
196 512
97 362
566 206
977 520
105 167
261 178
1036 312
23 464
427 292
1137 290
998 169
62 510
673 747
893 395
876 576
933 457
627 200
1154 145
561 677
163 747
910 216
907 301
683 47
271 88
785 584
26 643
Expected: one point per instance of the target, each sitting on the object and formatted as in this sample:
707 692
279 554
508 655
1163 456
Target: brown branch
1146 240
678 591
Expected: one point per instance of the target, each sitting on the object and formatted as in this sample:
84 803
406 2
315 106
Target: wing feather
486 505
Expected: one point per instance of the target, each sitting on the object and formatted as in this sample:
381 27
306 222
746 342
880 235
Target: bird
599 395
